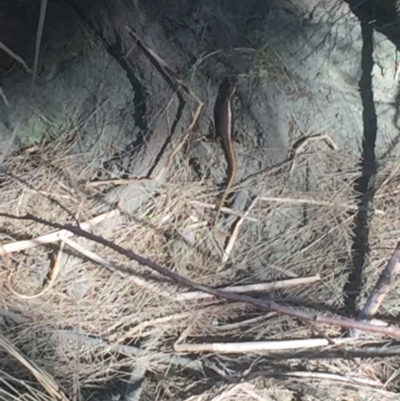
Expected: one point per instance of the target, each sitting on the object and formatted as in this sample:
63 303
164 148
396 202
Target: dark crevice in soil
365 185
116 50
381 14
179 112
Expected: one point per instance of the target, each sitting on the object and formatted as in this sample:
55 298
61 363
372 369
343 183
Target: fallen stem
260 287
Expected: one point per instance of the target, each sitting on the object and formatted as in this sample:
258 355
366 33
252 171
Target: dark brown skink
223 128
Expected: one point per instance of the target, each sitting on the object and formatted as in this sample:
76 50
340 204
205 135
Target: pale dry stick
54 273
315 202
10 143
54 236
334 377
39 33
44 378
224 209
380 290
4 97
119 181
302 142
139 328
260 287
110 266
15 57
22 62
265 304
235 235
259 346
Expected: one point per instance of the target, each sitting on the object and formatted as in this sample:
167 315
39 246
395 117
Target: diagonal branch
393 332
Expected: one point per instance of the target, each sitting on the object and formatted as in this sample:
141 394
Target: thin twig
44 378
224 209
39 33
7 149
54 273
260 287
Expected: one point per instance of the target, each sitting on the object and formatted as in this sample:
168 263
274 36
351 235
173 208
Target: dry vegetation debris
94 324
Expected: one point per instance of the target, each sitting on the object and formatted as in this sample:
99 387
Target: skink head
230 86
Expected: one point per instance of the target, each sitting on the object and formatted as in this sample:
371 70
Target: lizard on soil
223 128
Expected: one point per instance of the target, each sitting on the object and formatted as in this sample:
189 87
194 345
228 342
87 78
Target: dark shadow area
365 185
383 16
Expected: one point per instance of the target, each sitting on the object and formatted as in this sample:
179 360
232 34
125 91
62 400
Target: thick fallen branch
393 332
381 290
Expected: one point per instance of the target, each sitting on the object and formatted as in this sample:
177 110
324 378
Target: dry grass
93 326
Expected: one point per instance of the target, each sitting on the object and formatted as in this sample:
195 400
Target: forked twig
380 290
15 57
